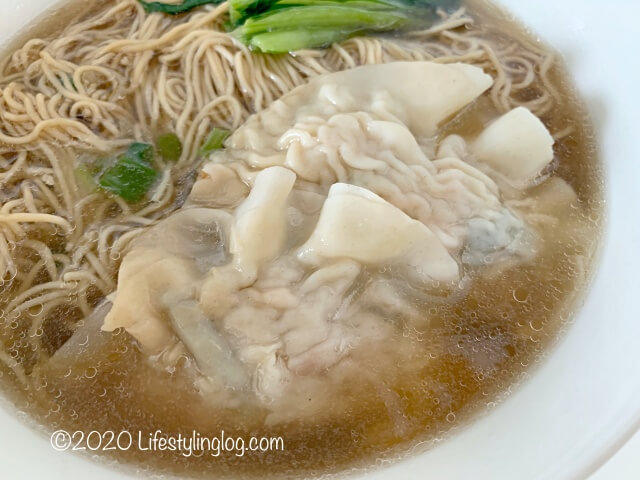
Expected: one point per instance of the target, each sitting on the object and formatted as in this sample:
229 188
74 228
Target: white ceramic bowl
581 404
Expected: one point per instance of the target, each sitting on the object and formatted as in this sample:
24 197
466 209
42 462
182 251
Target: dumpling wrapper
420 94
172 257
260 221
210 349
356 223
517 145
429 92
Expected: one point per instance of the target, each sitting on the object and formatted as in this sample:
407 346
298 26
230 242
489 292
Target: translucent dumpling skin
517 145
327 217
356 223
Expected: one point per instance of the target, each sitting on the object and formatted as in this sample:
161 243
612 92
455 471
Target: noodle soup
420 349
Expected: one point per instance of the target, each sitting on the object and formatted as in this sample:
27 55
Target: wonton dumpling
497 234
517 145
171 257
258 235
260 226
138 308
429 93
210 349
368 127
266 283
358 224
217 186
419 94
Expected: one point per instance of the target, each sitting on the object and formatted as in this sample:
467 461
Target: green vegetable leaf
291 40
144 151
176 8
338 18
132 175
169 147
215 140
279 26
363 4
240 10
